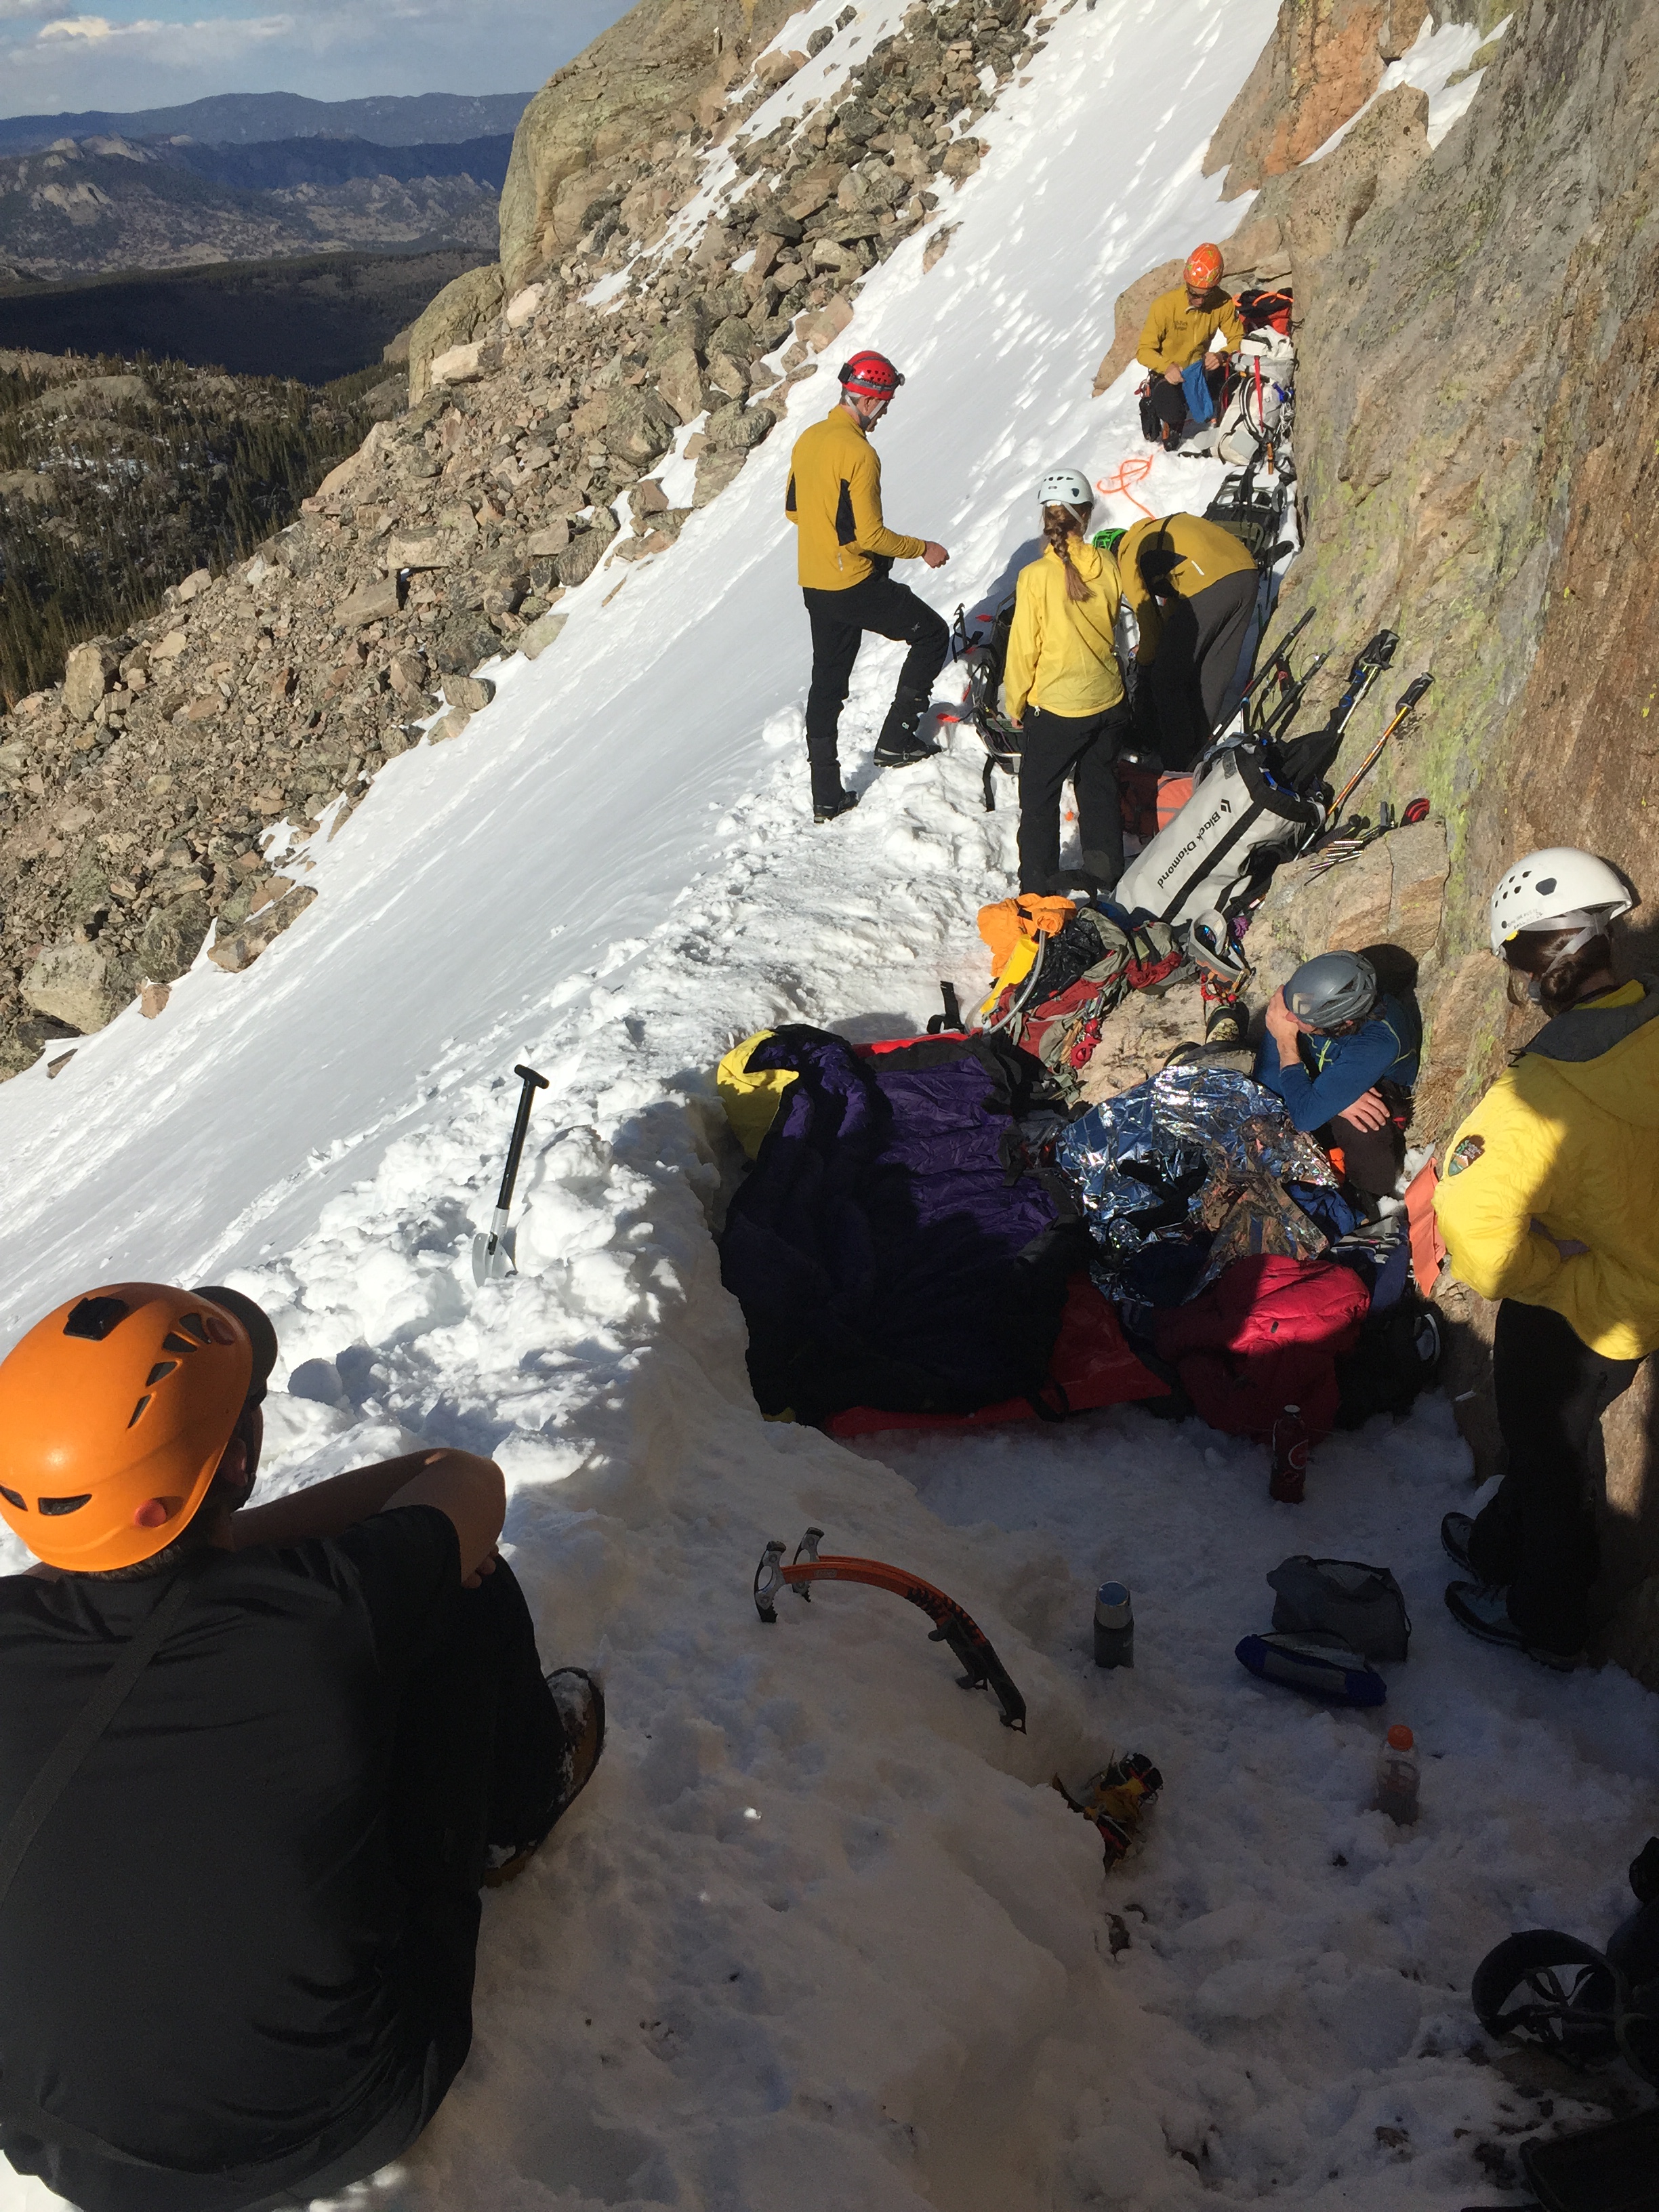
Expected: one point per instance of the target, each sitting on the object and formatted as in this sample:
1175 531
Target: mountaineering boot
1456 1529
581 1703
833 809
1485 1613
1226 1024
903 752
900 742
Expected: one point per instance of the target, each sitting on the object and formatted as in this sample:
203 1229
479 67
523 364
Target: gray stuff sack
1344 1599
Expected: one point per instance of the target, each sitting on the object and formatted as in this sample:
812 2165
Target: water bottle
1288 1482
1396 1777
1114 1626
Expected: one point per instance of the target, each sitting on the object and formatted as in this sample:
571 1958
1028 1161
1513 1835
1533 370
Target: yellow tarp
751 1102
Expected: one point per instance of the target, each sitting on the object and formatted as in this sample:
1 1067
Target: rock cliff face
642 81
1478 432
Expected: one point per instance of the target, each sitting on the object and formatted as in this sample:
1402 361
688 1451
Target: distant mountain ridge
282 163
91 207
243 118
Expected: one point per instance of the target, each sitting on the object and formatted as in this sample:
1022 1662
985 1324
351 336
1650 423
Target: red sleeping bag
1091 1366
1266 1334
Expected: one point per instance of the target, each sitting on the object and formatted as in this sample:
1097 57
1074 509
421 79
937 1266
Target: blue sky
130 55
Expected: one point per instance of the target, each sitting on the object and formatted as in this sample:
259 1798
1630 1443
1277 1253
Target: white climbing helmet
1558 888
1066 488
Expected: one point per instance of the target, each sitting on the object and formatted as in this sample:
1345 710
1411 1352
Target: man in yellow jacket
845 553
1549 1201
1192 586
1179 329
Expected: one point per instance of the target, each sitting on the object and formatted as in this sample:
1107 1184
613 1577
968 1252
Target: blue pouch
1317 1670
1200 405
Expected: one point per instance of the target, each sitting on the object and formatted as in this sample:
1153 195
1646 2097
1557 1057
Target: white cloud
328 49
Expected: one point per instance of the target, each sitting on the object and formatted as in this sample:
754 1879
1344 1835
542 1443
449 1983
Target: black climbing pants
1538 1534
1084 748
1163 416
839 620
1198 645
480 1760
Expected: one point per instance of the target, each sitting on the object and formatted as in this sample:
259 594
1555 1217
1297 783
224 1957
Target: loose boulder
641 428
172 938
463 311
72 984
244 946
88 676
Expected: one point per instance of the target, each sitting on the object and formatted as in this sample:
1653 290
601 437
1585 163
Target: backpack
985 657
1257 416
1252 513
1398 1355
1240 823
1265 310
1363 1608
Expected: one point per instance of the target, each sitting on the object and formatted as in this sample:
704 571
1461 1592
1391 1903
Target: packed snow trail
820 1935
481 879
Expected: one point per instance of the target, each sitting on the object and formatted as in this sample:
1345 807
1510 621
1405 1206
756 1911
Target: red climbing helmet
872 375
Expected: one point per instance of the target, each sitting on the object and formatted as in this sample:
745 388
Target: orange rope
1134 469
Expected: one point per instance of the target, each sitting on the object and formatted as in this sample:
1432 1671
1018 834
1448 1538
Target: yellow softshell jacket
1568 1137
835 502
1204 553
1175 336
1060 650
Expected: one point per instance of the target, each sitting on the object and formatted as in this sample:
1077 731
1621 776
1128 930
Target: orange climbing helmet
115 1411
1203 268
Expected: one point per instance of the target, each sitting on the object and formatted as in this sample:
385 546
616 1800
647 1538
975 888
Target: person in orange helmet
1179 331
256 1762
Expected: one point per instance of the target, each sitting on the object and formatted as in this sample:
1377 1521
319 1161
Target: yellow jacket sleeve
1024 644
872 535
1154 337
1231 324
1495 1182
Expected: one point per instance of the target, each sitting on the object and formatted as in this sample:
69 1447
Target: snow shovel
490 1261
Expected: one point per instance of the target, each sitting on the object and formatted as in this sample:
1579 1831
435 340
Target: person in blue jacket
1342 1054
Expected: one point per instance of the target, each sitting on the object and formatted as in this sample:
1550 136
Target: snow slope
820 1935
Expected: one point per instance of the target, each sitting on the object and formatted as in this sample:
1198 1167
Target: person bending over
255 1763
1193 587
845 555
1062 685
1549 1202
1179 329
1343 1057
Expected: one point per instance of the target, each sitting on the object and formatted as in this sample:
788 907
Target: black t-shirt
199 1955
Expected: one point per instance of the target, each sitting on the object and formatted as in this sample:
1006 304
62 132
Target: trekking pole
1276 658
1283 711
1404 706
488 1253
1278 667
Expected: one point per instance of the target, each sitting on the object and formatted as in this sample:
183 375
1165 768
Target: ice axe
1404 706
488 1252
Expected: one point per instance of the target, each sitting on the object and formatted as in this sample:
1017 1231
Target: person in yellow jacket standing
1062 685
1179 329
1549 1201
1193 588
846 551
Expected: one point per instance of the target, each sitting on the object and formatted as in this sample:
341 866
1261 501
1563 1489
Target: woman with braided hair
1062 685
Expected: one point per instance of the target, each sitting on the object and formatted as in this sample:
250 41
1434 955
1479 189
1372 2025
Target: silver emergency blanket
1192 1149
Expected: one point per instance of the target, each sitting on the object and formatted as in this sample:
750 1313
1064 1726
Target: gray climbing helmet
1332 989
